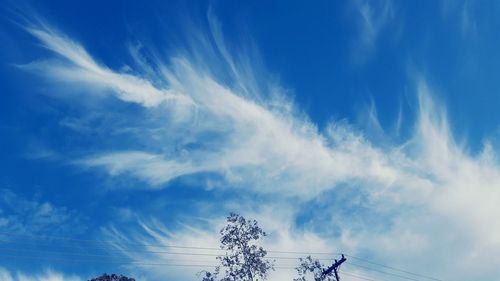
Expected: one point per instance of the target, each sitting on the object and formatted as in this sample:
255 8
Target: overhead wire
358 276
46 237
167 262
383 272
65 260
393 268
102 243
127 252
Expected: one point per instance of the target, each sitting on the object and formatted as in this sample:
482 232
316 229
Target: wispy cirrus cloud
48 275
462 14
22 215
417 192
276 220
427 210
82 68
371 18
235 132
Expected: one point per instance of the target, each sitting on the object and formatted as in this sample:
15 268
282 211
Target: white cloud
439 204
28 216
372 17
462 15
276 220
78 66
153 168
468 21
48 275
432 201
258 143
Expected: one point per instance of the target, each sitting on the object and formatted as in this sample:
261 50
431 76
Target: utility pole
334 268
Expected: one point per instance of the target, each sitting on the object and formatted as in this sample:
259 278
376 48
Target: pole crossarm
334 267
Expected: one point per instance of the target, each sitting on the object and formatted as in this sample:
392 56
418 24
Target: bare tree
244 260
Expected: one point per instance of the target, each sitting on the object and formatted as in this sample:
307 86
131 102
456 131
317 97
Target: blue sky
364 127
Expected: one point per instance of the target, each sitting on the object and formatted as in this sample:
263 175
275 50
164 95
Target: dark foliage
112 277
312 268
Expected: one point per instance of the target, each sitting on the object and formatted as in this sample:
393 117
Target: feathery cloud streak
84 69
49 275
26 216
373 19
422 188
255 142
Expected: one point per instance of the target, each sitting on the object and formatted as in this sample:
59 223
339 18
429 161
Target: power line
393 268
103 247
125 252
358 276
383 272
117 249
123 262
65 260
60 253
126 260
46 237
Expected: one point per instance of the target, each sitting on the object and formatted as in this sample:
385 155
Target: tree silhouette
309 266
112 277
244 260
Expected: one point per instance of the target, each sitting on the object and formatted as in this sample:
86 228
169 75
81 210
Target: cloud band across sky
232 128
